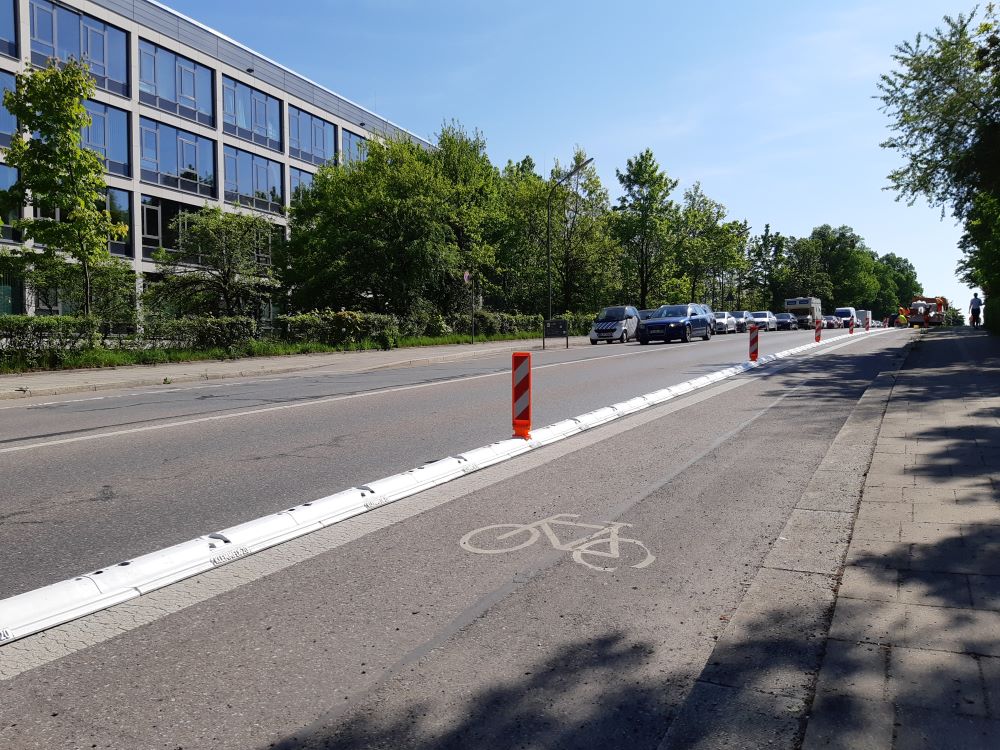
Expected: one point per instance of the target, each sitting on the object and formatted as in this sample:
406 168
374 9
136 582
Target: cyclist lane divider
37 610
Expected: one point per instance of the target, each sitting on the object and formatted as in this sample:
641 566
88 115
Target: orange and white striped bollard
819 329
852 325
521 394
868 324
754 334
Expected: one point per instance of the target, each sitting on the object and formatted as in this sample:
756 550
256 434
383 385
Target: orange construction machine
927 311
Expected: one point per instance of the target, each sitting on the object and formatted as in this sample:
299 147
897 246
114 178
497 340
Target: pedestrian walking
975 306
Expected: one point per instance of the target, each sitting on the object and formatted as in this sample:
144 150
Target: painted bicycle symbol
603 544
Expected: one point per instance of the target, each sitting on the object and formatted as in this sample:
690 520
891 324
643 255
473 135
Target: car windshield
783 316
672 311
842 313
609 314
760 314
721 315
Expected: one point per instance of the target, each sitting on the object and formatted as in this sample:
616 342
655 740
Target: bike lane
400 637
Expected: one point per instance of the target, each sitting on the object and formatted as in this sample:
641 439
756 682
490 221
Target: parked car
617 323
744 319
832 321
765 319
676 322
786 322
725 323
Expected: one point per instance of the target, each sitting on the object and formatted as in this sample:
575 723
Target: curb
46 607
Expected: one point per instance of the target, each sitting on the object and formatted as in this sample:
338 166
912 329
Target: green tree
943 106
518 279
62 181
373 235
803 273
849 264
586 266
696 237
473 197
221 264
640 224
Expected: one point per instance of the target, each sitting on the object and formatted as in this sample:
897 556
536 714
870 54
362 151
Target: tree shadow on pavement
753 692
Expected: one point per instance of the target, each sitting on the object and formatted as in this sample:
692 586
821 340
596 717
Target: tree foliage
60 180
221 265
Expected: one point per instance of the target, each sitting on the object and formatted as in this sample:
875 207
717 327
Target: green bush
489 323
344 329
36 341
579 323
200 333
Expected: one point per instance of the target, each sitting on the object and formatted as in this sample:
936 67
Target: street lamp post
548 225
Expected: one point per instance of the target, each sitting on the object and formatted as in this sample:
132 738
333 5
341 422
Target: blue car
677 322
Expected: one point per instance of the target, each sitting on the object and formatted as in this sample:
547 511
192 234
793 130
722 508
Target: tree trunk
86 287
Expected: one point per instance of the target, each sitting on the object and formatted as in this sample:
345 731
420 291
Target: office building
182 116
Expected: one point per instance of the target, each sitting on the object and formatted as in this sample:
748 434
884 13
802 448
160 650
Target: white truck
863 316
807 310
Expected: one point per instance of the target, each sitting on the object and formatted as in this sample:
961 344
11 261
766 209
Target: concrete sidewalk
912 658
48 383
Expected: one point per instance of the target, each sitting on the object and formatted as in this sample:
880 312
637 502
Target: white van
848 315
617 323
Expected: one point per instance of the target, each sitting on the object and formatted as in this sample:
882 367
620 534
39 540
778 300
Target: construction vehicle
807 310
927 311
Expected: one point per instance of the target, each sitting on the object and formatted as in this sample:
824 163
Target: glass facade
8 123
8 176
298 178
310 138
253 180
107 134
120 208
8 27
176 158
251 114
57 31
355 147
158 229
175 84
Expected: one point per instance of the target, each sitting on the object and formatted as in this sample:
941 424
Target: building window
251 114
310 138
176 158
175 84
355 147
8 27
298 179
8 176
107 135
158 229
11 294
62 33
120 207
8 123
253 180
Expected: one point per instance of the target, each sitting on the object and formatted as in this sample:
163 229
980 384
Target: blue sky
768 105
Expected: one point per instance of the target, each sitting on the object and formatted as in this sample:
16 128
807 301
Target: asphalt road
388 633
92 480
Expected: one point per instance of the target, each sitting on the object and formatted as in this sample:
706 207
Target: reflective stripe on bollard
754 334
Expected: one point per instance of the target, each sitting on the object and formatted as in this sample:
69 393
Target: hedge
44 339
342 329
199 333
489 323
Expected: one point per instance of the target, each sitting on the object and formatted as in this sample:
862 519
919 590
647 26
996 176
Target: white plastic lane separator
46 607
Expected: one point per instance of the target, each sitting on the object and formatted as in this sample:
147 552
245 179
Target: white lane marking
318 402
